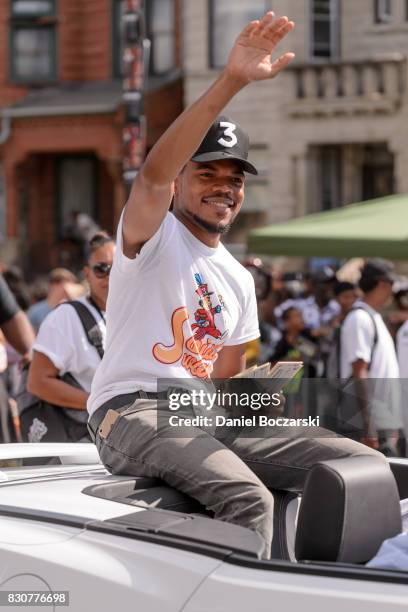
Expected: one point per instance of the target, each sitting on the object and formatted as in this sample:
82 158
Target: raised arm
152 191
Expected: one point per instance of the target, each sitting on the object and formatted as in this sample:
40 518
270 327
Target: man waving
181 307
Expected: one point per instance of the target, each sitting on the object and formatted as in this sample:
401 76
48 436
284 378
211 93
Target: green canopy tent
377 228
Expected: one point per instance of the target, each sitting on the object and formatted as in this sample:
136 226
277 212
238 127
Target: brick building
334 128
62 116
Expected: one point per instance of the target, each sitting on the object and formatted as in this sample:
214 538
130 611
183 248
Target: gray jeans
226 472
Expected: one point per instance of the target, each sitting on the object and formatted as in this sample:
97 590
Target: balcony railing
359 86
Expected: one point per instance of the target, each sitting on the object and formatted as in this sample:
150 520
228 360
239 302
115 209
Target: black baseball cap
378 269
225 140
324 275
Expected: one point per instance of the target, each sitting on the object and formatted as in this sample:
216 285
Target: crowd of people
339 329
310 307
53 334
342 331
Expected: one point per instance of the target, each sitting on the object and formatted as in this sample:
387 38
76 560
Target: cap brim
218 155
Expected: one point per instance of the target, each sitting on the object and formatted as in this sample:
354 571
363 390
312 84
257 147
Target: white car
117 543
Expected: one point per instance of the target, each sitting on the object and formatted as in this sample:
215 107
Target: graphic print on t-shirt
205 315
197 353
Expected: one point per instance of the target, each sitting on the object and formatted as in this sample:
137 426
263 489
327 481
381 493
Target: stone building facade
62 116
331 130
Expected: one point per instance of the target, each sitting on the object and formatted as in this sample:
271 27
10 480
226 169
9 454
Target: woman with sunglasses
62 345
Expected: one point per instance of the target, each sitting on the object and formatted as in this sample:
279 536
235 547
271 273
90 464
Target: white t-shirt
357 340
402 349
402 352
63 340
170 310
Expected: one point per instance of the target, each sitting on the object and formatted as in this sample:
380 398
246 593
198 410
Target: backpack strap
89 324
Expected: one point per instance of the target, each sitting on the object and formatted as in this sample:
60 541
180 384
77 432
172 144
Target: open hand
250 58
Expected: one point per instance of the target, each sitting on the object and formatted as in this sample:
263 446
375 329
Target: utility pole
135 61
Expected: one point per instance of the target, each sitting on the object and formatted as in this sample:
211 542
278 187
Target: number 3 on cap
229 131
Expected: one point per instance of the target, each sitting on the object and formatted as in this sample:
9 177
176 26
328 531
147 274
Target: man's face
323 292
209 195
385 289
295 322
346 299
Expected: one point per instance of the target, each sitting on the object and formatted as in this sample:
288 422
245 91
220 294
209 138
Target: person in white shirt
62 345
399 324
367 352
402 349
402 352
181 309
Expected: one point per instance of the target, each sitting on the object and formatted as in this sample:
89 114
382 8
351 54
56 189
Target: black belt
117 403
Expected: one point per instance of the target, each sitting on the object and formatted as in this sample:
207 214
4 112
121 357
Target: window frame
28 21
149 34
331 172
30 16
117 69
59 168
380 11
211 15
335 32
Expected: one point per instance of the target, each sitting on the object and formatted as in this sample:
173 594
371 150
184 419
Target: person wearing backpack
67 351
368 360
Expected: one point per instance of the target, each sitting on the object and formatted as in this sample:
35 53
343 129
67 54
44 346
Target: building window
383 11
33 41
377 171
160 29
325 29
32 8
227 19
118 46
331 173
77 180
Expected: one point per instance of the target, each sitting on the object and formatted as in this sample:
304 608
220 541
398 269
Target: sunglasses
101 270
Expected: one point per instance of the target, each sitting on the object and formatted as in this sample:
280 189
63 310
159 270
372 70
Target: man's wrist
85 400
232 81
